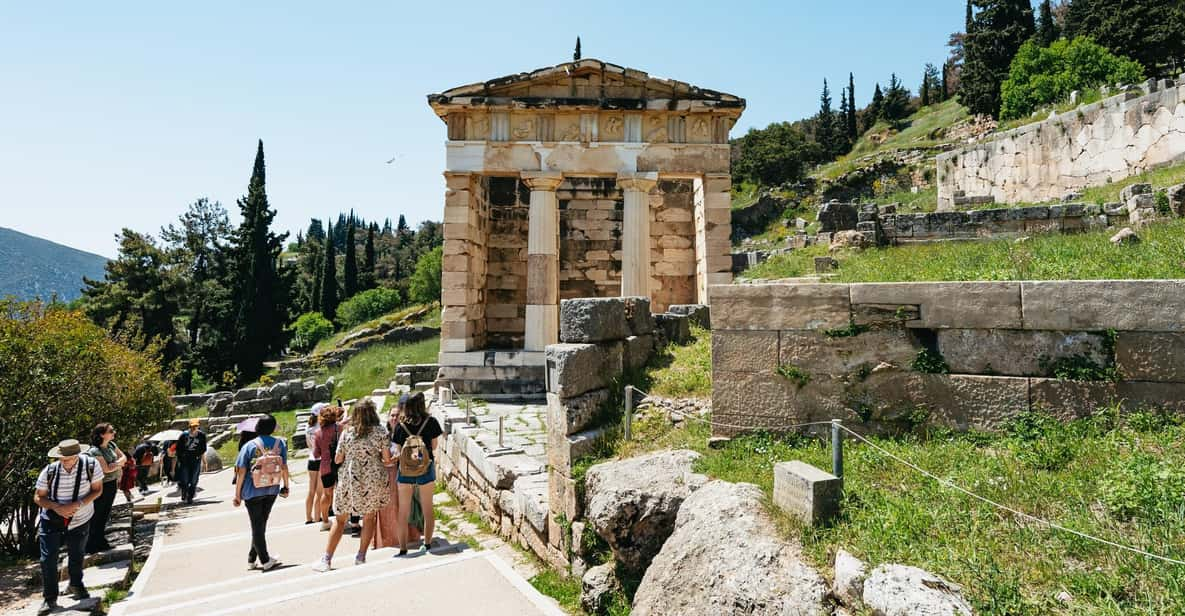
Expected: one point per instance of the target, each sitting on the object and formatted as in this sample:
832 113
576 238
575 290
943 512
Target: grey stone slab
1151 356
574 369
780 306
1013 352
949 304
1097 305
808 493
593 319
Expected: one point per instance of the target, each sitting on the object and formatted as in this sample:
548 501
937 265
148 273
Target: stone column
543 261
635 233
713 228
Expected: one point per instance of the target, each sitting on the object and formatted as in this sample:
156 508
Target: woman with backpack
262 474
328 436
362 481
385 535
416 435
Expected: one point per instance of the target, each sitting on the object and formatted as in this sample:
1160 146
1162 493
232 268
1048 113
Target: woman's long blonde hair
364 417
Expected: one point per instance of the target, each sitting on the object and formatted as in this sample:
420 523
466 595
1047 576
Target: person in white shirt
66 491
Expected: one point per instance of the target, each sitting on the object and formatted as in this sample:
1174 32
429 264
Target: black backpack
50 518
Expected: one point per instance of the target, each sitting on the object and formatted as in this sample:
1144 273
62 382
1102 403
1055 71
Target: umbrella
165 435
247 425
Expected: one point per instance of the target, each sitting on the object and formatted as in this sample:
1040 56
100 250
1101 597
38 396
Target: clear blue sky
118 115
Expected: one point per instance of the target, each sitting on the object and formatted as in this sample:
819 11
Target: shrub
1044 75
60 374
367 305
794 374
930 362
1162 203
776 154
424 287
309 329
1145 487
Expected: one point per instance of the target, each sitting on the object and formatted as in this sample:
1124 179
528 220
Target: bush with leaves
367 305
424 287
60 374
1045 75
776 154
309 329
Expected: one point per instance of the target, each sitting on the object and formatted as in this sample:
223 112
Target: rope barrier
1054 525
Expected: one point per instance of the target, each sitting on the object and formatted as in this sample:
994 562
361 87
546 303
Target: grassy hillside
1085 256
924 129
31 267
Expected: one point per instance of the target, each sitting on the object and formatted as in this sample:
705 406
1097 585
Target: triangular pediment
580 82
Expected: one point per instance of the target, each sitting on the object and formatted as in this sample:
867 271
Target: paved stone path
199 560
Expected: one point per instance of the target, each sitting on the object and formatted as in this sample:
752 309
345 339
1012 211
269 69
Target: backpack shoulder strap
422 424
52 478
78 478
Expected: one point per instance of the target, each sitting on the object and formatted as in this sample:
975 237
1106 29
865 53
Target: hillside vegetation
1084 256
32 267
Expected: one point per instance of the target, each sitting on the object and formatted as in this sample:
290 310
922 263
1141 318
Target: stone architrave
543 264
635 233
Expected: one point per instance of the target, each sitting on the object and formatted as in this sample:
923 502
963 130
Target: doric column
635 233
543 261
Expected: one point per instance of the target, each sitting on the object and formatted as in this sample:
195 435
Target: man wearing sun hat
191 448
66 491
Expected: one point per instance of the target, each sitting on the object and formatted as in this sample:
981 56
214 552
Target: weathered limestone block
957 401
780 306
530 492
593 319
725 552
675 328
1015 352
636 351
744 351
698 314
836 357
810 494
1135 305
1132 190
949 304
563 450
562 495
597 587
219 403
850 573
1069 400
1151 356
899 590
768 400
1139 395
879 314
571 415
574 369
836 216
637 312
632 503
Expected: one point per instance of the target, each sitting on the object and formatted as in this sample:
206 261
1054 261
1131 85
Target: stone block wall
672 244
1105 141
591 211
506 278
464 263
784 354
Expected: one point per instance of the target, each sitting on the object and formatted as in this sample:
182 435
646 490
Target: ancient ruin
585 179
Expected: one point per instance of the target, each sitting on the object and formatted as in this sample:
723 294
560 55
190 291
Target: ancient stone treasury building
585 179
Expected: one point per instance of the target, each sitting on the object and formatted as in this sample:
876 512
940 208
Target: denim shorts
428 477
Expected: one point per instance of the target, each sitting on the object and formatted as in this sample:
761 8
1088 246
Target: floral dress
362 480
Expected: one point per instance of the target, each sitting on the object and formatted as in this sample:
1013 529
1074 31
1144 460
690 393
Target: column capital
638 181
542 180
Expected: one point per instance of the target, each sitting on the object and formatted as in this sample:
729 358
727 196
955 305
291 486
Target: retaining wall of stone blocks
789 353
1105 141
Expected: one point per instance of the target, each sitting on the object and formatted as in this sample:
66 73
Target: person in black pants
66 490
191 448
111 460
259 500
144 454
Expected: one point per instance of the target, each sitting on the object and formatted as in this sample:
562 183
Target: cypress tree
315 291
329 279
368 275
825 124
874 108
351 272
924 91
1147 31
994 34
1047 29
896 101
853 130
576 54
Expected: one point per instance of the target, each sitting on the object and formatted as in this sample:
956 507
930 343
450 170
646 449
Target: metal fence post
501 430
629 411
837 448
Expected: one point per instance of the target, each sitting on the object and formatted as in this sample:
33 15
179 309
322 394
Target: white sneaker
251 566
325 526
322 565
359 559
269 565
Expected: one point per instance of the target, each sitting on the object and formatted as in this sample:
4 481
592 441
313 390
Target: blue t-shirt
247 458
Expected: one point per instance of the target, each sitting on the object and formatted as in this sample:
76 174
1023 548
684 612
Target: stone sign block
1095 305
808 493
950 304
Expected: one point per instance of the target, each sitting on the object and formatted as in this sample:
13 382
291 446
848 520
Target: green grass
925 200
1159 178
1086 97
374 367
682 371
1119 479
920 130
565 590
744 194
431 319
1084 256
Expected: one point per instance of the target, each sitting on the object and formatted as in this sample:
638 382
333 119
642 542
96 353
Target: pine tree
874 108
260 300
316 231
825 129
351 270
924 91
368 276
932 90
329 280
1147 31
994 34
896 101
1047 28
401 227
853 130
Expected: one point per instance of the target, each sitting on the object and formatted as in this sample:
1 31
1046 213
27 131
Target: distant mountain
31 267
